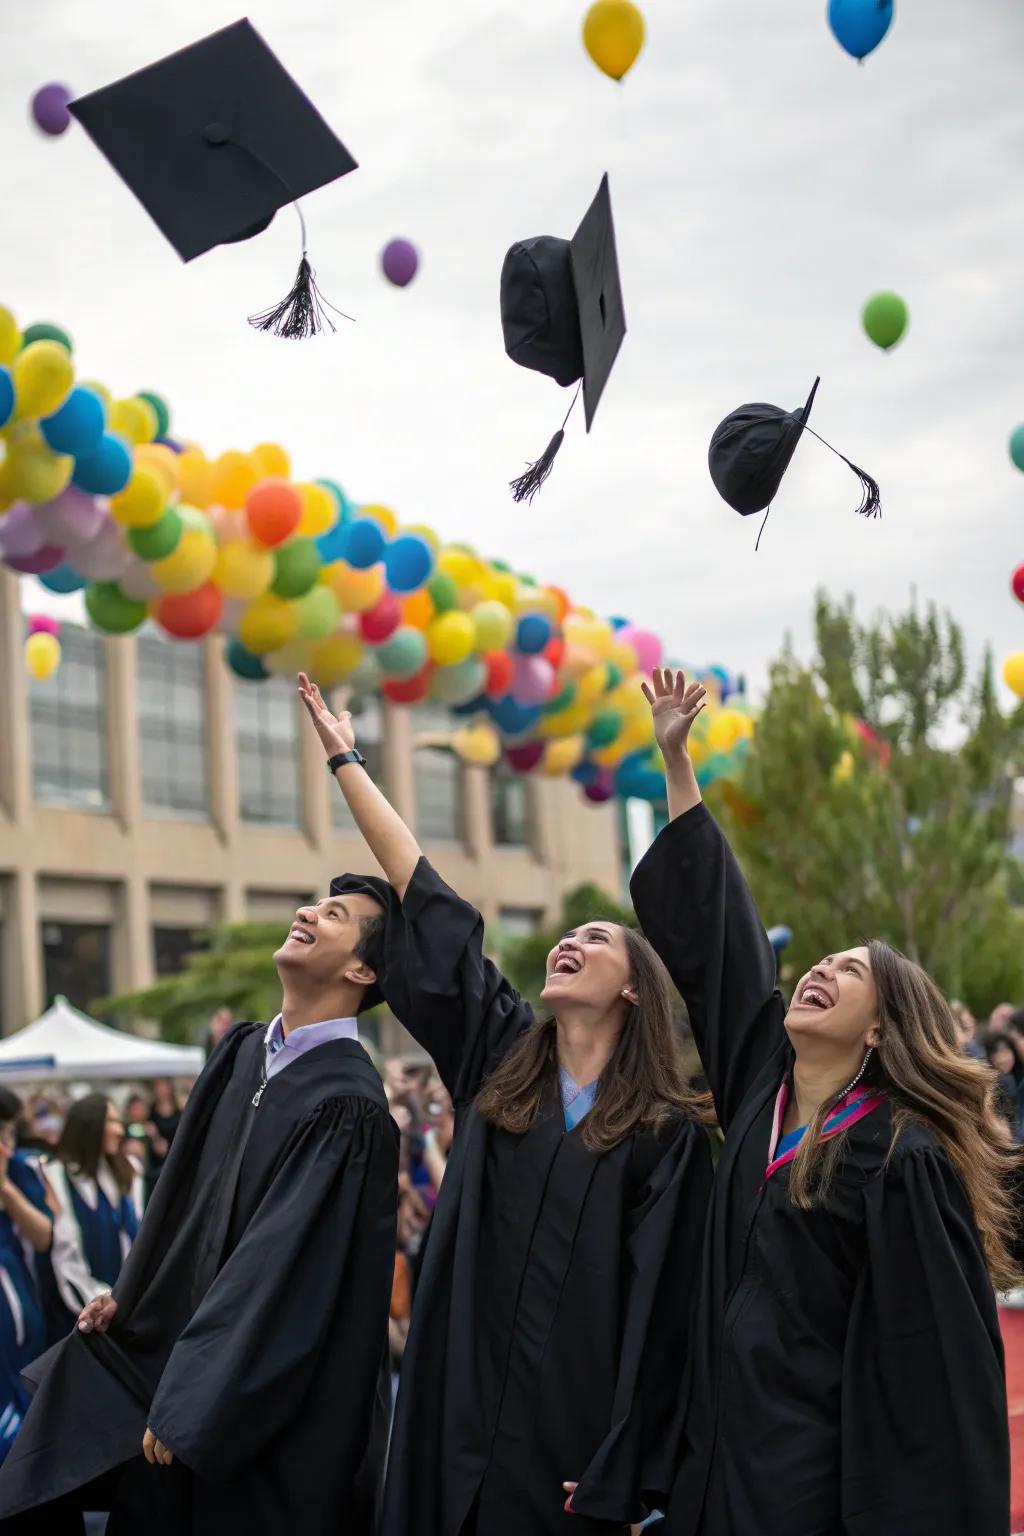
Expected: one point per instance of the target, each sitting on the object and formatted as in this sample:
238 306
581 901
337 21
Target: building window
76 962
68 715
173 946
267 747
369 723
172 725
438 779
510 808
519 922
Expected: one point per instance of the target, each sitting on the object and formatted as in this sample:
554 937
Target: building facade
145 792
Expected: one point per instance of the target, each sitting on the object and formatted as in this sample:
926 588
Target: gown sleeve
925 1444
242 1367
632 1471
439 983
696 909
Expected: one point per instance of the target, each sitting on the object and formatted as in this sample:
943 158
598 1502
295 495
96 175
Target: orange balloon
272 459
418 609
356 591
234 476
273 510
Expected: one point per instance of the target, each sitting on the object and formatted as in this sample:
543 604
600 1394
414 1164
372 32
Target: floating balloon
1018 583
316 614
6 396
50 109
458 683
451 638
600 789
272 461
187 615
189 565
613 35
604 728
335 658
364 543
71 518
356 591
403 654
43 624
408 561
142 501
560 757
196 477
106 471
532 678
43 375
885 319
533 633
33 472
111 611
10 337
860 25
243 663
42 330
159 539
42 656
478 745
160 409
444 593
417 610
498 679
77 427
526 757
268 623
1017 447
381 621
133 419
296 568
399 261
273 510
243 568
513 719
234 476
105 555
409 690
1013 673
62 579
319 514
492 625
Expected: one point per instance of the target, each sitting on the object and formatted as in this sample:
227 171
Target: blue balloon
63 578
618 623
533 633
331 545
513 719
408 562
585 773
244 664
78 426
636 779
779 937
106 471
860 25
6 396
346 510
365 543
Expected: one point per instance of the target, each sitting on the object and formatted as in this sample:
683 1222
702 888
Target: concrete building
145 791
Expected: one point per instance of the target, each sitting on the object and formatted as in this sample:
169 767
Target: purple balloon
72 518
523 758
20 534
105 556
45 559
399 261
532 677
601 790
50 108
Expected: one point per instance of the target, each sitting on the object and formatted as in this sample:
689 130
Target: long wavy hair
644 1084
80 1147
919 1064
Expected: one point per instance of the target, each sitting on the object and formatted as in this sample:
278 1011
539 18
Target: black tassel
870 496
530 482
301 313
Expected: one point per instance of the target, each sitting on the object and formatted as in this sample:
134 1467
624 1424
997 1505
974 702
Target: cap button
216 133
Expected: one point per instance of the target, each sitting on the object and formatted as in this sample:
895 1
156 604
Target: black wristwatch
340 758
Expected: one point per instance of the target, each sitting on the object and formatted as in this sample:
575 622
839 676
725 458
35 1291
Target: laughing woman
848 1358
549 1333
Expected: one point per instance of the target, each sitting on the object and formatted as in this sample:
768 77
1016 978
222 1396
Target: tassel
870 495
529 483
301 313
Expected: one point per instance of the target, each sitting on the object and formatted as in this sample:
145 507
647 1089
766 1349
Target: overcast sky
763 184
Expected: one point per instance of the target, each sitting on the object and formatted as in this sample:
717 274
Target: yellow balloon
142 502
356 591
319 511
161 459
43 375
567 722
196 477
10 337
623 656
426 534
188 566
492 625
272 461
451 638
134 419
234 475
723 731
42 656
479 745
502 586
33 472
843 770
101 390
635 734
268 623
592 684
1013 673
537 600
460 566
561 756
243 568
613 34
333 658
381 515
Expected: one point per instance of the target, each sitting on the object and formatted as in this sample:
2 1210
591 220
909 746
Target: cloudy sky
764 185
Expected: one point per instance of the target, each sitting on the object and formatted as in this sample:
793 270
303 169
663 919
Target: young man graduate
236 1378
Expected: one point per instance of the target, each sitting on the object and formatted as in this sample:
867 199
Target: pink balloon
603 788
105 556
230 525
647 646
532 677
523 758
72 518
20 534
43 624
46 559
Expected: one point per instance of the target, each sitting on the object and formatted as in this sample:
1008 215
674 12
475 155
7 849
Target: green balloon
162 409
296 567
561 700
44 331
403 654
110 610
885 319
1017 447
604 728
159 539
444 593
614 677
317 614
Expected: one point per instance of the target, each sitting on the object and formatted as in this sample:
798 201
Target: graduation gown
548 1337
252 1325
22 1326
849 1372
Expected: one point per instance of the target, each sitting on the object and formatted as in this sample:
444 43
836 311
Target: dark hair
643 1085
81 1141
370 948
10 1107
993 1042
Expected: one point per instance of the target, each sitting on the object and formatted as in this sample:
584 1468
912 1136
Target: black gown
252 1324
549 1332
848 1361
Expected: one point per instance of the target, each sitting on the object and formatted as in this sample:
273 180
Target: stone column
399 781
23 952
314 783
15 736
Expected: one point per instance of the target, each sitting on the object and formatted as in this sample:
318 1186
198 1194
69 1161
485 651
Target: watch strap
340 758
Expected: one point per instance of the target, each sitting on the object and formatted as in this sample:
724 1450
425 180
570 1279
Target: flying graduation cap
561 314
752 448
213 140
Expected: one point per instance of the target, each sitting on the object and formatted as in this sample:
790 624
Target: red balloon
1018 583
187 615
380 622
523 758
409 690
554 651
272 510
499 674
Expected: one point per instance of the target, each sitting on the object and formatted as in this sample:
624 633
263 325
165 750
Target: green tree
902 834
524 961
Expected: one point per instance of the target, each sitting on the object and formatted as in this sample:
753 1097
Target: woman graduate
848 1365
25 1232
548 1340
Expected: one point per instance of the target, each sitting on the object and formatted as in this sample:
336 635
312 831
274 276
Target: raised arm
695 907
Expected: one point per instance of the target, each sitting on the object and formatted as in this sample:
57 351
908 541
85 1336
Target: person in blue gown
25 1230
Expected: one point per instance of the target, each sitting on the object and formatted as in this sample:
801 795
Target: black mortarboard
213 140
751 450
383 892
562 314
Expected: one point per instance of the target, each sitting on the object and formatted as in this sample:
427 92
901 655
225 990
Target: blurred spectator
220 1023
1000 1017
138 1142
439 1121
43 1121
164 1119
1006 1057
26 1224
413 1218
967 1030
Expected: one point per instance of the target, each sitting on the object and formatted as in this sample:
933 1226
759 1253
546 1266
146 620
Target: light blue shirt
577 1100
283 1049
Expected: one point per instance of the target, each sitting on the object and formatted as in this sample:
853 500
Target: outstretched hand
675 705
335 731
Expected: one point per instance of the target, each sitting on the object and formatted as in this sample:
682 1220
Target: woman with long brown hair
848 1364
548 1342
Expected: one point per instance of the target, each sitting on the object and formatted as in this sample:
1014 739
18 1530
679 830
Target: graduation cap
213 140
383 892
561 314
751 450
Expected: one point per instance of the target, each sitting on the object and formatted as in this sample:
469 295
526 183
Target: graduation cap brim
384 893
595 272
213 139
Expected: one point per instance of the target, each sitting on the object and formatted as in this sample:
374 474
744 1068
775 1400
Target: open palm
675 705
335 731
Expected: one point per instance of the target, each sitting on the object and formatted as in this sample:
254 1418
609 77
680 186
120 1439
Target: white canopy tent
65 1046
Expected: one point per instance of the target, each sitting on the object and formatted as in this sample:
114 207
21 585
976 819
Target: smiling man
236 1379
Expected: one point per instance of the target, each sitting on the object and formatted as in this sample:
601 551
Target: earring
863 1068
